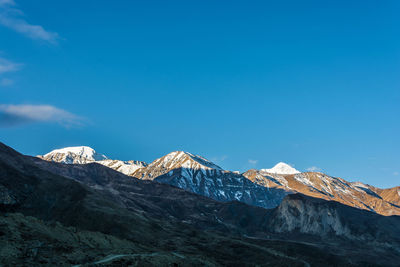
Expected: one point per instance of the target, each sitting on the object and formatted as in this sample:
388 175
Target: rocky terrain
198 175
319 185
150 223
264 188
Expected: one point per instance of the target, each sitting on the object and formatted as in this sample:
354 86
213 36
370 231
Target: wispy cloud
14 115
253 161
8 66
396 173
314 169
13 18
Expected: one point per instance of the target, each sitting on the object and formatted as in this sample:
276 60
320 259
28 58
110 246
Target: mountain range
71 214
264 188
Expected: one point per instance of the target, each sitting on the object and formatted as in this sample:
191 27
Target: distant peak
75 149
281 168
182 156
82 151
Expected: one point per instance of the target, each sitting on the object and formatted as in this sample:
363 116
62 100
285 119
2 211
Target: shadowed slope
160 218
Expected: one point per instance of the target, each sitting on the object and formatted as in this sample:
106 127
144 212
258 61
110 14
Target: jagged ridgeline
264 188
66 214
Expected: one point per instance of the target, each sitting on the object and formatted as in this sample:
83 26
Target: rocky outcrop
329 219
297 213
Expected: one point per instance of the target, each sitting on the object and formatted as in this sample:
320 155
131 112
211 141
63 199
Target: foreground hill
162 225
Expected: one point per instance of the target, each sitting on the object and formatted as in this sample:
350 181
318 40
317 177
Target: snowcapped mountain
265 188
85 155
281 168
184 170
97 199
175 160
198 175
319 185
74 155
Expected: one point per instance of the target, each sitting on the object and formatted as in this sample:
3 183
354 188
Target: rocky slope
190 172
168 221
200 176
264 188
319 185
309 215
28 241
391 195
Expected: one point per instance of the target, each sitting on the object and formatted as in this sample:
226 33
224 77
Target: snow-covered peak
185 160
176 160
281 168
83 152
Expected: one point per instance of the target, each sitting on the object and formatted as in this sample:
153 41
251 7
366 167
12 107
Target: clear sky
243 83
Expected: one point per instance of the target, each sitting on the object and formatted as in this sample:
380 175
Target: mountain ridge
85 155
265 187
160 217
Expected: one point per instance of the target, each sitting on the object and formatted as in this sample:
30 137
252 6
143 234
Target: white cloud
396 173
11 115
314 169
8 66
12 17
253 161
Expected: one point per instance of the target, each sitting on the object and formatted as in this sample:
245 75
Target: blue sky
244 83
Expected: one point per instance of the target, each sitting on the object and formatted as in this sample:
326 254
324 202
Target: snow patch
304 180
359 184
126 167
238 195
